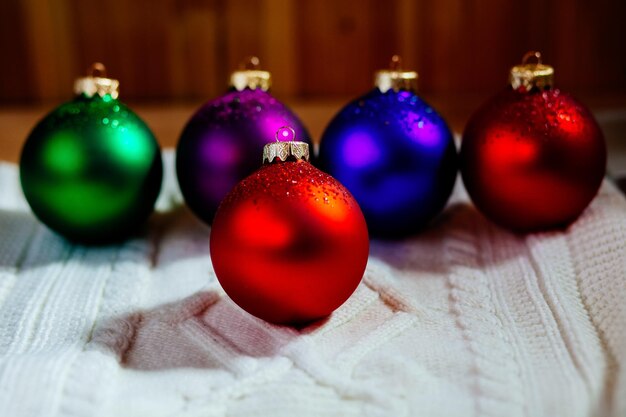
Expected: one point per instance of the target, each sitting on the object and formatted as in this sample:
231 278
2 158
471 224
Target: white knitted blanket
465 319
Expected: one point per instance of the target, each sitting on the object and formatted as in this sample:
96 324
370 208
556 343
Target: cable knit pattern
465 319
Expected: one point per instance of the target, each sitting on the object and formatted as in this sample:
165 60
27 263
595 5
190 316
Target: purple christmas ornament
221 143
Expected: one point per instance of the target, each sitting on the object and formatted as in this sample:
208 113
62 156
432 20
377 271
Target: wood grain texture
185 49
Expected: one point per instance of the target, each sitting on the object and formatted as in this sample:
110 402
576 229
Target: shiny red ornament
532 158
289 244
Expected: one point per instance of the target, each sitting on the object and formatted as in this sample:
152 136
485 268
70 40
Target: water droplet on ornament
105 121
116 108
114 123
420 124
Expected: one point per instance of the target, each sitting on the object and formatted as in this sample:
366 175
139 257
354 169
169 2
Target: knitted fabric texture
465 319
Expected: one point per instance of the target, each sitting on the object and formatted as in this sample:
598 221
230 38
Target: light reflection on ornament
360 150
507 151
256 227
324 205
221 151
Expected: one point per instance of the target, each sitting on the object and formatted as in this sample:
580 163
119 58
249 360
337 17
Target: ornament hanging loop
283 131
396 63
250 63
97 70
529 55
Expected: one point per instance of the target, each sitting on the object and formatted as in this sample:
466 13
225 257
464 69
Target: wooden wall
180 49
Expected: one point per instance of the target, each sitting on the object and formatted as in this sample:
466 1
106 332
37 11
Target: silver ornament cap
97 83
531 75
395 78
285 149
251 76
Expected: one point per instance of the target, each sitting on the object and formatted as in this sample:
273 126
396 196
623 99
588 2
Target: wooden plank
16 72
197 67
242 33
176 49
50 38
408 18
334 51
278 45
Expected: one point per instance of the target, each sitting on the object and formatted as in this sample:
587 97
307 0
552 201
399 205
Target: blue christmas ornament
394 153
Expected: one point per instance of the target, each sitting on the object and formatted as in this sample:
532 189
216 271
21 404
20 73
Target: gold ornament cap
394 78
250 76
286 149
97 83
531 75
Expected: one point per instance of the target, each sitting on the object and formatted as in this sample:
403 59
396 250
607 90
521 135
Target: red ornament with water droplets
532 158
289 243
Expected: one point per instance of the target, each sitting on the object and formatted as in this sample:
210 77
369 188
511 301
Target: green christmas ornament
91 170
